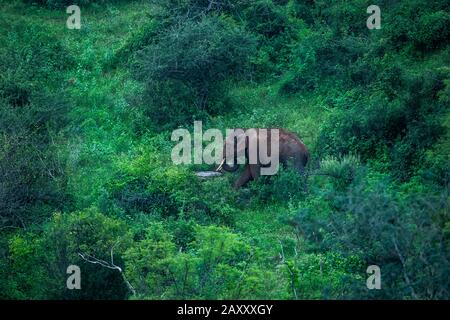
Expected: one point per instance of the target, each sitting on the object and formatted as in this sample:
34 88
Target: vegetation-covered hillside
86 176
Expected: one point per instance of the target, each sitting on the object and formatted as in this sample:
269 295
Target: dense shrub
267 19
287 184
417 26
342 170
217 264
322 276
32 114
344 17
38 262
401 129
153 185
276 32
321 58
208 203
184 68
140 38
400 232
313 67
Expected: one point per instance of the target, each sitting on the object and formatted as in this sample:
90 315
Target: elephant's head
234 150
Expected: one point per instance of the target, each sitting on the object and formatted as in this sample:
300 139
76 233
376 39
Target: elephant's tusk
220 165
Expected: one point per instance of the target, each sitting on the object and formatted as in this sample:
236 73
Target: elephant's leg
245 177
298 164
255 171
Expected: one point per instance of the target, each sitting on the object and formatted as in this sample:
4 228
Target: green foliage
85 124
184 68
137 41
432 31
342 170
417 26
217 264
149 185
321 276
32 114
287 184
403 126
437 162
322 57
266 18
38 262
400 230
276 31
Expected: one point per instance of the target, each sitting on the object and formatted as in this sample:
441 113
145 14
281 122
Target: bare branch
110 265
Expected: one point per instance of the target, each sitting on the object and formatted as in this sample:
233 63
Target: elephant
237 143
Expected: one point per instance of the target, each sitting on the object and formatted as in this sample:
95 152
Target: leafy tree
402 127
37 262
184 69
400 232
218 264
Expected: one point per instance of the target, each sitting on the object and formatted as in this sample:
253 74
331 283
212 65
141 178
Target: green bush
402 122
185 67
152 185
322 276
217 264
344 17
208 203
38 262
140 38
277 34
342 170
286 185
33 113
312 67
321 58
417 26
401 231
432 31
266 18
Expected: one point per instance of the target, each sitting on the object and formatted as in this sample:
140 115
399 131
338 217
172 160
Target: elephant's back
292 146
